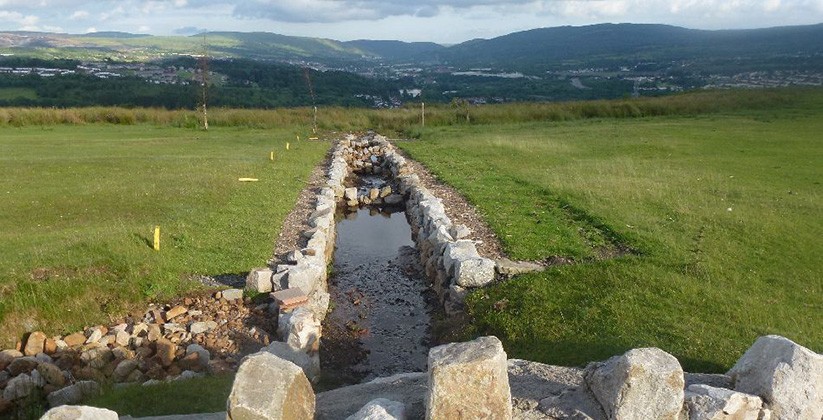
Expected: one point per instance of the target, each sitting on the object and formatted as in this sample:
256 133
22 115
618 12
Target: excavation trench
380 320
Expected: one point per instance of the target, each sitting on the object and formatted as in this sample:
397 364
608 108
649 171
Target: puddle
380 323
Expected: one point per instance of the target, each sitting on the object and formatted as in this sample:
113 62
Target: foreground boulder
469 381
268 387
79 412
788 376
709 403
643 383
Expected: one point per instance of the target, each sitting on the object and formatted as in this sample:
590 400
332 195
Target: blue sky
445 22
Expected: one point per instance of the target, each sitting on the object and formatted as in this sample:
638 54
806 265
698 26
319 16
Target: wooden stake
157 238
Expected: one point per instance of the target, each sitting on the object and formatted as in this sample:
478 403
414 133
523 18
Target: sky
445 22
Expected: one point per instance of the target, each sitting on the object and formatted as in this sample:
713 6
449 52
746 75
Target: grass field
722 214
80 204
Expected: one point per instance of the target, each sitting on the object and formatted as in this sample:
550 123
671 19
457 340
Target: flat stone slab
290 298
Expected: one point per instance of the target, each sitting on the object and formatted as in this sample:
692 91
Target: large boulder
788 376
406 388
643 383
268 387
309 364
474 272
79 412
469 380
709 403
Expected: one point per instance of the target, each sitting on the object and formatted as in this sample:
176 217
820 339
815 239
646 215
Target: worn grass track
79 205
722 212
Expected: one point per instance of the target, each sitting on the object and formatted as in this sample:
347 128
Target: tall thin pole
204 82
423 114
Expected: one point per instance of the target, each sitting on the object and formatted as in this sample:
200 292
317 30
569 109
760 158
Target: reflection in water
381 314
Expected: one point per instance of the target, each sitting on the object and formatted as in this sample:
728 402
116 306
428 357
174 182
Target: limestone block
259 280
232 294
305 276
643 383
309 363
380 409
303 331
788 376
468 381
508 268
454 252
268 387
474 272
79 412
350 194
73 394
709 403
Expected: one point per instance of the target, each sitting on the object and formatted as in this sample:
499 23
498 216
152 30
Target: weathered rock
52 374
122 338
393 199
165 351
124 369
95 335
469 380
303 331
643 383
374 193
97 356
202 327
268 387
508 268
21 386
175 312
22 365
788 376
232 294
259 280
309 364
73 394
704 402
476 272
154 332
385 191
203 355
7 356
380 409
460 232
35 343
306 276
75 339
79 412
457 251
407 388
350 194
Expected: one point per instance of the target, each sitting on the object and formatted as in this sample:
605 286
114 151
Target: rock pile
188 338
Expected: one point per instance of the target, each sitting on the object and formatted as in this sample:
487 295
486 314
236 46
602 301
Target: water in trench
381 306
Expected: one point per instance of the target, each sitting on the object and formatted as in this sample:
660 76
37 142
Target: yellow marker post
298 137
157 238
271 156
287 146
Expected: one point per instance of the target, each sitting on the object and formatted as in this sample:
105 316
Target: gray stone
469 380
380 409
475 272
21 386
52 374
20 365
232 294
709 403
268 387
788 376
643 383
202 327
79 412
455 300
259 280
406 388
303 331
508 268
460 231
306 276
717 380
203 355
309 364
124 369
7 356
393 199
457 251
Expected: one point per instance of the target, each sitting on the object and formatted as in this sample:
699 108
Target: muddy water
381 316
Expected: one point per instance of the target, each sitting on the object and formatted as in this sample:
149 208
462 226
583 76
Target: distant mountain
553 46
535 49
397 50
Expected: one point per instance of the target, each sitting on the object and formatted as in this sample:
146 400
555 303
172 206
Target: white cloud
79 15
91 30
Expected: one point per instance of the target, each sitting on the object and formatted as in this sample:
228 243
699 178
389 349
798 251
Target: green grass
722 214
199 395
17 93
80 204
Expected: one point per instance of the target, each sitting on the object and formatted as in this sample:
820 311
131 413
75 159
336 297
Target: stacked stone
199 335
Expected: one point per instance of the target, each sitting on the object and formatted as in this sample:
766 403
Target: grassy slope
80 204
723 212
